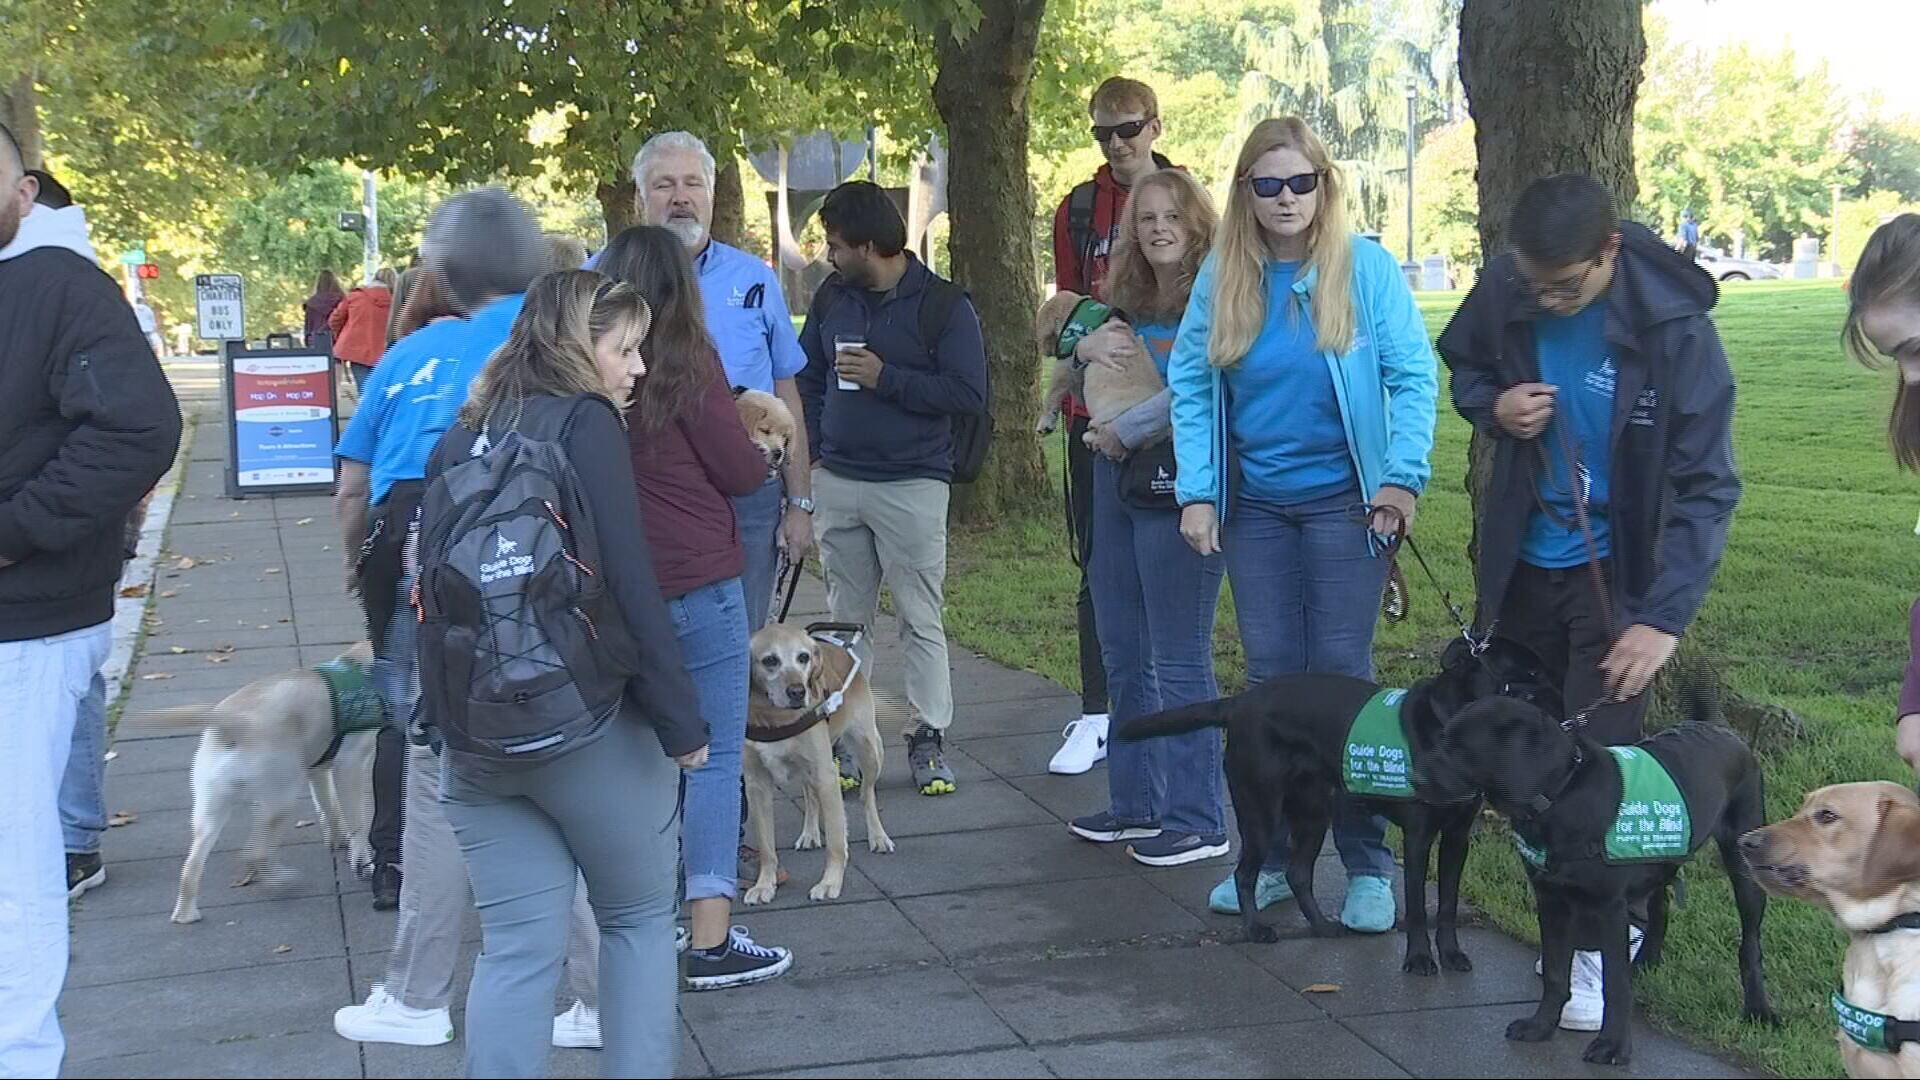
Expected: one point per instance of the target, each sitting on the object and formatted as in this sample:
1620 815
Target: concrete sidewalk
991 944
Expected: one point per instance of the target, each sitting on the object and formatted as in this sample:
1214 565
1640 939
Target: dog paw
360 858
246 878
1262 933
807 841
881 844
186 915
1607 1050
1531 1030
1455 960
759 894
1327 928
1419 964
1764 1016
826 890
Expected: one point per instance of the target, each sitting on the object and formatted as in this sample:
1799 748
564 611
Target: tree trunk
729 203
1550 85
20 112
616 204
981 92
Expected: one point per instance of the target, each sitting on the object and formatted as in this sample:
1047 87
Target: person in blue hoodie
1303 409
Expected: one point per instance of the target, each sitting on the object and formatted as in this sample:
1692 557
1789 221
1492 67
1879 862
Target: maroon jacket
684 475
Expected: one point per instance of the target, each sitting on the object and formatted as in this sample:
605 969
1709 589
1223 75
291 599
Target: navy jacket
902 429
1673 484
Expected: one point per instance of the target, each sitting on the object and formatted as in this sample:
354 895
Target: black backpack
972 432
523 654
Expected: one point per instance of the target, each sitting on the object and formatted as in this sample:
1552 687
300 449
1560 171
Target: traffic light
147 271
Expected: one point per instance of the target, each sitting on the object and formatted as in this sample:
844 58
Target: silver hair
672 140
483 244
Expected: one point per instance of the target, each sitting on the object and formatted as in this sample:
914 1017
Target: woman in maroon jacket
690 453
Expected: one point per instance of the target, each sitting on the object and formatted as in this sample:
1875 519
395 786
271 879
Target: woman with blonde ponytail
1302 379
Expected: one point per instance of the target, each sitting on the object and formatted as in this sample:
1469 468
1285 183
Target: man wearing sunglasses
1588 354
1126 121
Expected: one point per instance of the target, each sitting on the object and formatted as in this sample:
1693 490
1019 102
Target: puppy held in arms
1120 379
808 691
769 424
266 741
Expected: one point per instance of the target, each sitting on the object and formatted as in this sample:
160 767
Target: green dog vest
1651 823
357 706
1377 762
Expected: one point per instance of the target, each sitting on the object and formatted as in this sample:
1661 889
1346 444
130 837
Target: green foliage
1887 152
1446 203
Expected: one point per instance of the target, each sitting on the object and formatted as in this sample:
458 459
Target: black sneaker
738 961
386 886
84 873
926 757
1104 828
1177 849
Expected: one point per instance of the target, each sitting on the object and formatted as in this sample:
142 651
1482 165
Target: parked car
1725 267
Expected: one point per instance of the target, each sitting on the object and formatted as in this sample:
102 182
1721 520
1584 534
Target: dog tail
198 717
1178 721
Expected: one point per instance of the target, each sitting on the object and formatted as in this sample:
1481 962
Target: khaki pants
896 532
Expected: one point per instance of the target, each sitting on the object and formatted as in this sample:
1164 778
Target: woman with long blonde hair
1153 597
1303 389
608 810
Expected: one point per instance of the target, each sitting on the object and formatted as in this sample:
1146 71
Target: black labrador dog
1292 748
1601 833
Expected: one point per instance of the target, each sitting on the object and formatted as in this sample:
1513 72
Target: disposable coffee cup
846 343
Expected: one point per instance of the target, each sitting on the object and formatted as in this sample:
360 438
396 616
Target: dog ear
830 666
1455 654
1893 857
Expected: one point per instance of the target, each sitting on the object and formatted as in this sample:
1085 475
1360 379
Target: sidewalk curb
141 570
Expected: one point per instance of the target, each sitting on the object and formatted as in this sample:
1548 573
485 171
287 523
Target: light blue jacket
1386 384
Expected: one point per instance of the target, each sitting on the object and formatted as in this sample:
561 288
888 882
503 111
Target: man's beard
689 230
9 221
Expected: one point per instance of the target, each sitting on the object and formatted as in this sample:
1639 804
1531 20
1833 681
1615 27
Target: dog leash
787 580
1400 536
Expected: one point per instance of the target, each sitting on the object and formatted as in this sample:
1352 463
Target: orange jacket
360 324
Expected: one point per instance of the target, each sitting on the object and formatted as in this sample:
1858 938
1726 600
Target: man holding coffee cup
894 352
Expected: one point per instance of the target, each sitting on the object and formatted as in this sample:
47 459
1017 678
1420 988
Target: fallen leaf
283 948
121 817
175 650
185 562
152 675
111 754
131 592
218 659
285 620
223 647
303 823
168 594
272 570
199 621
263 626
1322 988
304 521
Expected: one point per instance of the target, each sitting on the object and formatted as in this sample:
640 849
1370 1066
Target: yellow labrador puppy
769 424
808 692
261 745
1854 849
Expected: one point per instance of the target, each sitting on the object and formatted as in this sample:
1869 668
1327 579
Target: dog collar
1908 921
846 636
1871 1030
1543 801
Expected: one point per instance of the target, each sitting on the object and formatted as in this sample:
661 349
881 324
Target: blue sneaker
1369 907
1269 888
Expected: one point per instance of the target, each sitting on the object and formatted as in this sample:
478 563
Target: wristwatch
800 503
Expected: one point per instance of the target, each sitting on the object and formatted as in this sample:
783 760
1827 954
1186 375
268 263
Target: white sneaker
1586 1007
1086 746
578 1027
384 1020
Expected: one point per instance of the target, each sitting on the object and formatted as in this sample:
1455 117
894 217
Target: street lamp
1412 91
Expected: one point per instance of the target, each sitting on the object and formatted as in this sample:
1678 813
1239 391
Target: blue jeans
759 516
1154 600
83 803
1307 589
712 625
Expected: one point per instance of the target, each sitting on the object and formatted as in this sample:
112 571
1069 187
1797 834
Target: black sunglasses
1103 132
1269 186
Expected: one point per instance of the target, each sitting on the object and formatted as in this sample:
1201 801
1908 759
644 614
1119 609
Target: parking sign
221 302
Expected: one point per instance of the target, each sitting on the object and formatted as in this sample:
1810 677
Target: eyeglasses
1555 291
1103 132
1269 186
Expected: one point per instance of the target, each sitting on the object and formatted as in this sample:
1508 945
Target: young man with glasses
1588 354
1126 121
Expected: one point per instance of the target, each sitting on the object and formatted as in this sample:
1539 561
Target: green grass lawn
1808 611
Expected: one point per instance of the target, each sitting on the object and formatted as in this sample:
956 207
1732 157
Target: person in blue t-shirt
747 318
1303 397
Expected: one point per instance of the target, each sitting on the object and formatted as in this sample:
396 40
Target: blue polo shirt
417 389
746 316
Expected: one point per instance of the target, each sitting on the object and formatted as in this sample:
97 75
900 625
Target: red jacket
360 324
1082 267
684 475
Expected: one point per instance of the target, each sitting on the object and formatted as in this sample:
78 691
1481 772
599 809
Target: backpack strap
1080 203
937 302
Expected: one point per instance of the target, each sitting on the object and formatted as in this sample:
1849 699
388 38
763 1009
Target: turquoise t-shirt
1282 414
1575 357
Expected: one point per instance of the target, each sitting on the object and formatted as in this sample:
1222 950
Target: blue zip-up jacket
1387 384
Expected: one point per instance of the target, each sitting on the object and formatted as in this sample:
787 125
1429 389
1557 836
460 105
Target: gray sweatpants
610 812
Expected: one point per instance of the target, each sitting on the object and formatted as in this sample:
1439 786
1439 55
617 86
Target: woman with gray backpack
554 677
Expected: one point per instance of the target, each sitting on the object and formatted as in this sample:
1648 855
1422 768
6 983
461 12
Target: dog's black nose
796 695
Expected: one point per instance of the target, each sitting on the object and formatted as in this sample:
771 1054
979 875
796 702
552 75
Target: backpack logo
505 563
503 547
